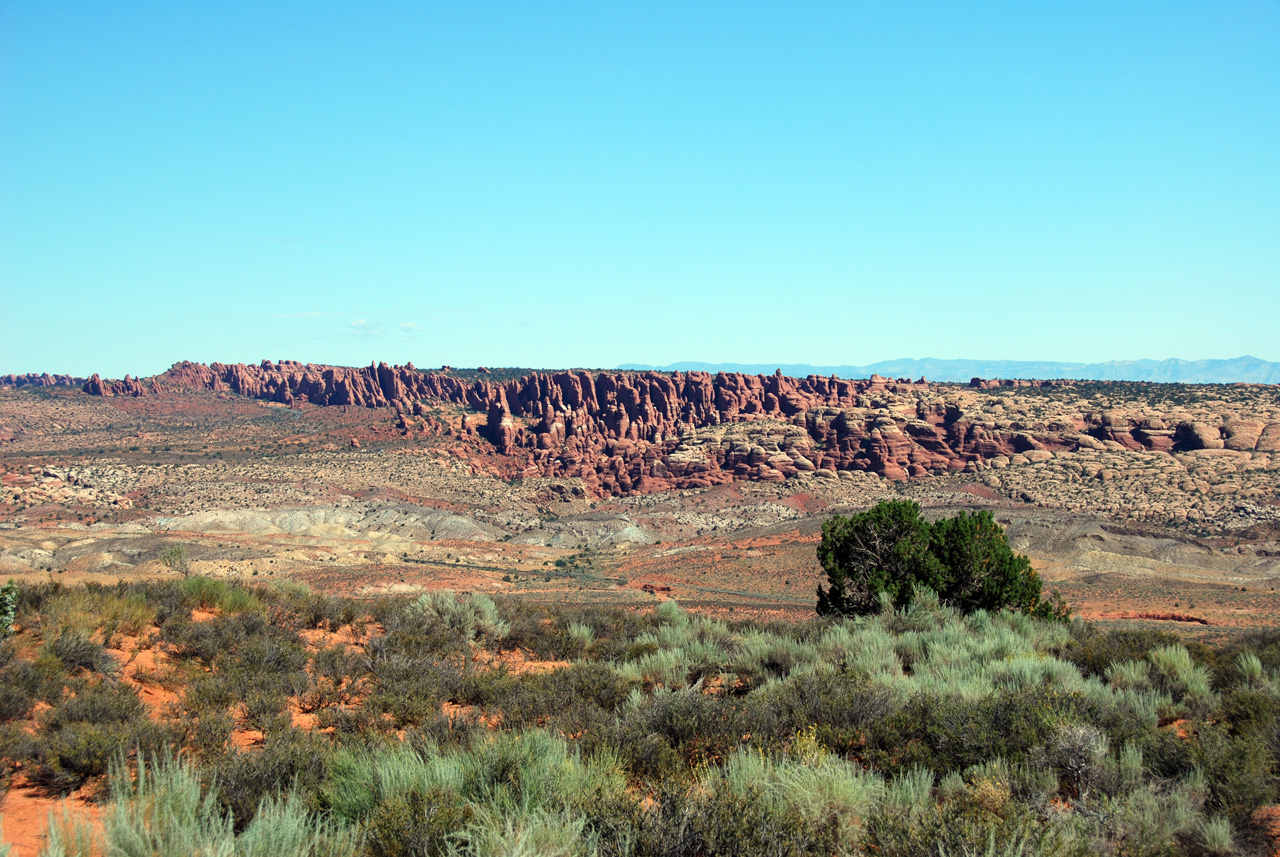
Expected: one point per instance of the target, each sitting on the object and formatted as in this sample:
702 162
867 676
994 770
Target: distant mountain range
1238 369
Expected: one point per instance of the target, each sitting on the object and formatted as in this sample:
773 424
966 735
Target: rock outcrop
43 379
638 432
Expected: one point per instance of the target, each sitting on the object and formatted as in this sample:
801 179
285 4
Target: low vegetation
458 725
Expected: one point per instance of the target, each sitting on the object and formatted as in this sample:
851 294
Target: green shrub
842 709
81 736
74 753
1215 836
278 649
16 745
546 833
213 594
1079 752
203 592
32 598
1178 675
1094 652
174 558
289 762
564 694
694 726
68 836
815 805
208 733
1240 770
1249 711
103 702
890 550
337 671
165 810
411 691
417 823
15 701
77 651
8 608
473 618
1263 646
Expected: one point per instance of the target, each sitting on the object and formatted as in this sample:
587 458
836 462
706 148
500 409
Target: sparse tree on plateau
890 549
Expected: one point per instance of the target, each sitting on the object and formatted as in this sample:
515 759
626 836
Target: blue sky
558 184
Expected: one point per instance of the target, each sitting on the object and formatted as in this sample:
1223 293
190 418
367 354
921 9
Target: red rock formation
620 432
44 379
95 386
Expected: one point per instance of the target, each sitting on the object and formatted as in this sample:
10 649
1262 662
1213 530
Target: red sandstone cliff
622 432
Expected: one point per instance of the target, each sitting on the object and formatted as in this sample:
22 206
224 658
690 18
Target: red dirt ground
25 811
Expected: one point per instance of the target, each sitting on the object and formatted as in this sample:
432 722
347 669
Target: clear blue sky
549 184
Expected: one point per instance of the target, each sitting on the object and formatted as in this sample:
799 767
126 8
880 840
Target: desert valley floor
368 500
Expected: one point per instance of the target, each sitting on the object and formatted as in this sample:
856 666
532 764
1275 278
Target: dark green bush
290 759
890 549
103 702
208 733
1264 644
652 758
564 693
299 608
45 678
1247 711
267 711
72 754
1094 651
264 662
841 708
33 597
15 701
213 594
337 672
946 734
17 745
417 824
410 690
691 726
969 824
77 650
245 647
164 597
1241 770
80 737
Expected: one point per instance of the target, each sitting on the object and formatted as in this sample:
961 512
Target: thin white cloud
366 329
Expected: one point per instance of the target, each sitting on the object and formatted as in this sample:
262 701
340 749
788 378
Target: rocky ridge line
41 379
637 432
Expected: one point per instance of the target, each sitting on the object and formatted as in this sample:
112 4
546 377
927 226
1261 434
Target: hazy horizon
1244 368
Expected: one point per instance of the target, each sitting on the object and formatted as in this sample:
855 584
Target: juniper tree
890 549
